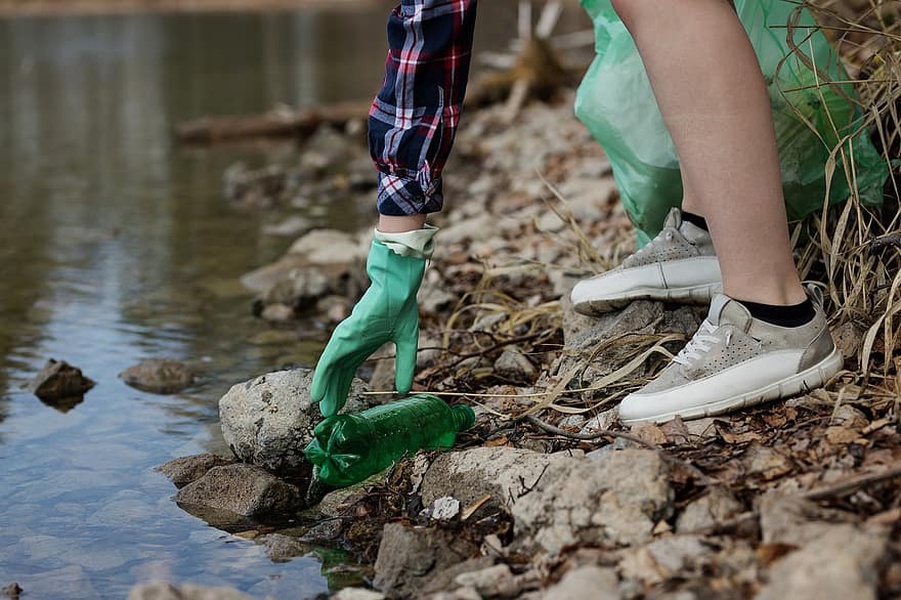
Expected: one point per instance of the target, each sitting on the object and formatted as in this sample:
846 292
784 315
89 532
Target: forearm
414 118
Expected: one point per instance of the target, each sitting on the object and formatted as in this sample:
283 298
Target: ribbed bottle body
349 448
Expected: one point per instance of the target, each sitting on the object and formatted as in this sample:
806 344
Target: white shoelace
700 344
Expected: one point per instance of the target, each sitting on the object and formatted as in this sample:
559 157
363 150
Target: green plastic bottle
349 448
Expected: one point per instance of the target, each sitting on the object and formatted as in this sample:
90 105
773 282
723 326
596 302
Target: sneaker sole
811 379
692 295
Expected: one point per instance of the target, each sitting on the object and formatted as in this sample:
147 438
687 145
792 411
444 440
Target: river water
118 246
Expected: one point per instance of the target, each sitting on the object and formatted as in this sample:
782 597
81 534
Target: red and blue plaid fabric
414 118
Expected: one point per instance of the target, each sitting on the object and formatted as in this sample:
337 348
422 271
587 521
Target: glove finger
334 358
405 361
336 382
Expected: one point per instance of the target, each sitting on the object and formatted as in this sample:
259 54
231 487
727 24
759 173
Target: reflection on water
118 247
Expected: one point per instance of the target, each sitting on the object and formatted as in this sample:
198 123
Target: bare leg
713 98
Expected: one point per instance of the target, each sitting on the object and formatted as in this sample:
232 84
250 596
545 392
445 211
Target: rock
282 548
408 555
290 227
243 490
184 470
11 591
793 521
278 313
167 591
269 420
594 582
59 381
617 498
490 582
330 247
326 531
499 471
715 507
514 366
446 578
841 564
158 376
434 299
335 503
254 188
358 594
559 499
667 557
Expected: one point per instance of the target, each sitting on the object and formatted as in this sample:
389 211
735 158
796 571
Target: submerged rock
268 421
11 591
158 376
60 383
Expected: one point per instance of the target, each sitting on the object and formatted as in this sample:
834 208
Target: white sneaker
735 361
679 265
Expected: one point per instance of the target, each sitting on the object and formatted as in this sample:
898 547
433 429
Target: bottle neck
464 417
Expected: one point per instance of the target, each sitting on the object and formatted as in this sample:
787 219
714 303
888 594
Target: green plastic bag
617 105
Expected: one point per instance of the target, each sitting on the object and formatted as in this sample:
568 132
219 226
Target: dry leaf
840 436
770 553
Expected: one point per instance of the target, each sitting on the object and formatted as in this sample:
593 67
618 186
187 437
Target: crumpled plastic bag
811 116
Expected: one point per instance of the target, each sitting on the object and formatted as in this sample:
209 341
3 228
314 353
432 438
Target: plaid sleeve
414 117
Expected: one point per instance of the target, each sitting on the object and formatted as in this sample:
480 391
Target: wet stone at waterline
158 376
60 385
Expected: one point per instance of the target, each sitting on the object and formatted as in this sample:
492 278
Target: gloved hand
387 312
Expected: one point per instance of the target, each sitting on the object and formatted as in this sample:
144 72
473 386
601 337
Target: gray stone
184 470
158 376
715 507
560 499
268 421
278 313
326 531
445 579
168 591
408 555
282 548
243 490
513 365
499 471
665 558
794 521
490 582
330 246
841 564
597 583
617 498
337 502
358 594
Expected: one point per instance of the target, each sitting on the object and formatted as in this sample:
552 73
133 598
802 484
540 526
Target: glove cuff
417 243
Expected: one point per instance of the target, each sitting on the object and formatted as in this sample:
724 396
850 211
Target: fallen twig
851 485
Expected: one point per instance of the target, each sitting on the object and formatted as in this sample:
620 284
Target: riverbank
548 496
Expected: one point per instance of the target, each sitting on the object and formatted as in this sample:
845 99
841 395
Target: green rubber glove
387 312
